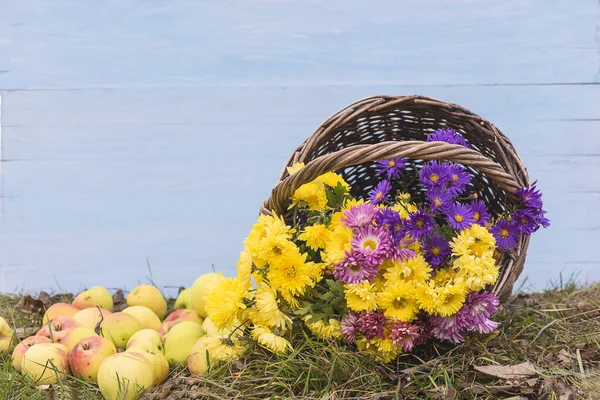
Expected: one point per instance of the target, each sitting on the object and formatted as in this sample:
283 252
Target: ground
548 347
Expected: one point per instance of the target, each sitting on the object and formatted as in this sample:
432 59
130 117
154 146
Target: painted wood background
141 129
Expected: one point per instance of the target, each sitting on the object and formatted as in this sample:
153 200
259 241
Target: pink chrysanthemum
354 268
477 310
448 328
371 324
350 325
359 215
373 243
405 334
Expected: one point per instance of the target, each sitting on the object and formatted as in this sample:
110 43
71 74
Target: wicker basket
384 127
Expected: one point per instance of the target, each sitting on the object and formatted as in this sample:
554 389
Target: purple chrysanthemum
506 234
391 220
402 254
391 168
372 243
540 218
436 250
530 197
419 224
481 215
460 216
476 312
349 326
405 334
458 180
371 324
354 268
380 192
439 199
448 328
359 215
434 175
447 135
525 221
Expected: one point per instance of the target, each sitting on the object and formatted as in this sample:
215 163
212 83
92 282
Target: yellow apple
160 365
97 296
148 296
88 354
180 340
148 340
6 336
59 310
200 289
211 328
123 376
46 363
119 327
146 316
184 299
57 328
91 317
74 335
19 351
211 350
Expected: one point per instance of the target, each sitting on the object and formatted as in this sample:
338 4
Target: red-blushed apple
148 296
200 290
148 340
59 310
184 315
57 328
7 336
46 363
96 296
119 328
123 376
88 354
19 351
74 335
91 317
146 316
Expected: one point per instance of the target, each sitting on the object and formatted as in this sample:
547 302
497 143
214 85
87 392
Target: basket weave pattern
385 127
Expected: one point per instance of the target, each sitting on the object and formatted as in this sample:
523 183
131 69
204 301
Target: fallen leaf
523 370
119 301
30 305
443 392
564 358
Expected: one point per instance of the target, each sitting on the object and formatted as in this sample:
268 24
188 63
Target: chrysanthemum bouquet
387 272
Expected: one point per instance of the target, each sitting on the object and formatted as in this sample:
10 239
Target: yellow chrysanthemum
295 168
404 209
386 350
397 300
315 236
226 300
444 300
475 241
361 296
338 244
414 269
292 274
244 266
266 309
310 194
332 179
265 227
275 247
476 273
351 203
335 220
330 330
270 340
292 302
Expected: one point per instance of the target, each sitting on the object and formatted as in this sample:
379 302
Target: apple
46 363
211 350
159 363
211 329
183 315
147 339
88 354
19 351
148 296
6 336
200 290
184 299
97 296
59 310
91 317
180 340
57 328
119 327
74 335
123 376
145 315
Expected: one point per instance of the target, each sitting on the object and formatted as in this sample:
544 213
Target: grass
558 331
